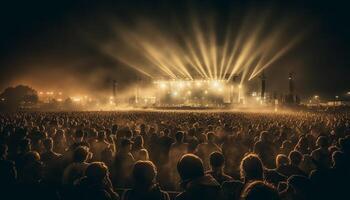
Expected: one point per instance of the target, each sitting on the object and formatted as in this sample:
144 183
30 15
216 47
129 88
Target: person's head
3 151
191 132
79 135
339 159
31 157
190 167
179 136
259 190
48 144
300 186
264 136
144 154
96 171
281 160
125 145
295 158
286 145
166 132
24 146
144 173
251 168
138 142
217 160
80 154
303 143
322 142
211 137
101 136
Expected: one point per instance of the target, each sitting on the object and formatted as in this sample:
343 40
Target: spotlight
162 85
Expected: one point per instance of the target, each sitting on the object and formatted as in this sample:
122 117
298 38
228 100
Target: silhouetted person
137 147
259 190
251 170
96 184
177 150
264 148
52 163
298 188
217 164
8 172
123 163
76 169
293 168
100 146
272 175
205 149
49 156
145 186
196 185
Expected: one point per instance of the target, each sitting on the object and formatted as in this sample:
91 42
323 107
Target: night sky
48 44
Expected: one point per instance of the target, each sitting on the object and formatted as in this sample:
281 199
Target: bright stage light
198 83
162 85
175 93
206 92
189 92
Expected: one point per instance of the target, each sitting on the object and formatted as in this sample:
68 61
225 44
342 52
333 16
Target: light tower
114 88
291 84
263 85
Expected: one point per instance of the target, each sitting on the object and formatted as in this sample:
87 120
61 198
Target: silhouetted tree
13 97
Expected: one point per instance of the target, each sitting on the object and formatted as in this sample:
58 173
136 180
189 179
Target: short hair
264 135
138 141
338 158
211 136
217 159
251 168
179 136
322 141
144 172
48 143
258 190
80 154
31 157
79 133
24 144
101 135
281 159
190 166
295 157
96 171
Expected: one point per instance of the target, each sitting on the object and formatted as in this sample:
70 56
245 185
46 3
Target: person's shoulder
7 163
232 184
182 196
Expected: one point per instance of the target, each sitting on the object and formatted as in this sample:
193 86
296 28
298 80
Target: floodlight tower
114 88
263 85
291 83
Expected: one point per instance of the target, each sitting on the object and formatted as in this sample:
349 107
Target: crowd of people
163 155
